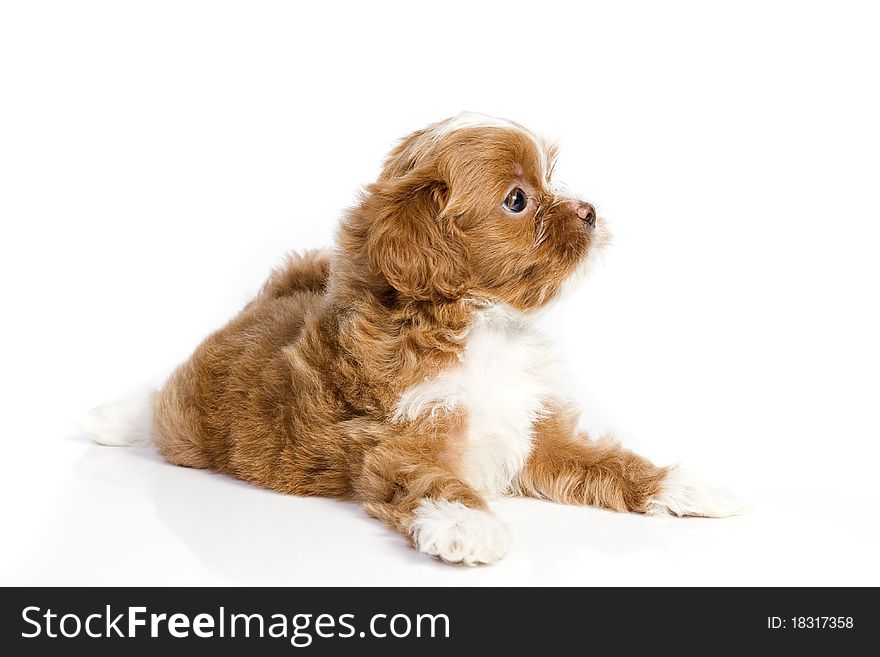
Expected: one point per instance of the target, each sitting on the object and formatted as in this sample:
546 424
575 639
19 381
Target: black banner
115 621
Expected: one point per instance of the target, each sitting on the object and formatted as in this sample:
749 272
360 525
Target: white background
156 159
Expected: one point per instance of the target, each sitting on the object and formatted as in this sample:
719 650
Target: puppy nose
586 212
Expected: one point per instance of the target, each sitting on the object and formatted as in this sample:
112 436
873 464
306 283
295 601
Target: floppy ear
418 249
405 156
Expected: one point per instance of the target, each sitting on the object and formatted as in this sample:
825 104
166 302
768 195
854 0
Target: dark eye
516 201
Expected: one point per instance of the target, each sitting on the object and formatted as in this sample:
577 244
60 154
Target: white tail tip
124 423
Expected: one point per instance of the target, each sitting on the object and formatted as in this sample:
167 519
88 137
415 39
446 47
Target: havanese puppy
403 370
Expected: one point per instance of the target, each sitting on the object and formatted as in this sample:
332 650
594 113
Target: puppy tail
124 423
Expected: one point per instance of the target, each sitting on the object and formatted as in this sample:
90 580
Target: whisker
543 209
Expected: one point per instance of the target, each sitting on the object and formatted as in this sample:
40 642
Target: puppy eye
516 201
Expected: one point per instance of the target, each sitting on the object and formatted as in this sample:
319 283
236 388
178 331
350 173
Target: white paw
458 534
684 494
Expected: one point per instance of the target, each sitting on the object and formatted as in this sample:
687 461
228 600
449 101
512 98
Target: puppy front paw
458 534
684 494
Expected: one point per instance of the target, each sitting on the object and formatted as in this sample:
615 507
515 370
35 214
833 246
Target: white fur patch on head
684 494
458 534
477 120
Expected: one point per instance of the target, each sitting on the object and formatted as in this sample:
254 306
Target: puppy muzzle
585 212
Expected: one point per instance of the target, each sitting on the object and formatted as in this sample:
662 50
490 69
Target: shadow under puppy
402 369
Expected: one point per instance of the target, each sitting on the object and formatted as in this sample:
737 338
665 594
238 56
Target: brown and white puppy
402 370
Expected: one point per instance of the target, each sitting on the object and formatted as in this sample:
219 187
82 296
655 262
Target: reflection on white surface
124 517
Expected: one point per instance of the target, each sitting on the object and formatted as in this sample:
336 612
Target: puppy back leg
177 428
408 488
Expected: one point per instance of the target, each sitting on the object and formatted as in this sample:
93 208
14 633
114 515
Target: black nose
586 212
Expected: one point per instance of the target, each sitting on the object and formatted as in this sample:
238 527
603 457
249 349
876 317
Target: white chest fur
505 377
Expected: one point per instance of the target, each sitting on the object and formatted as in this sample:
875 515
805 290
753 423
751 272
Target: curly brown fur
344 377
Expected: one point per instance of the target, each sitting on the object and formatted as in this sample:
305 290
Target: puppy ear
405 156
418 249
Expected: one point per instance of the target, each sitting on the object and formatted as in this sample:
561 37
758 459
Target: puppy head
468 207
